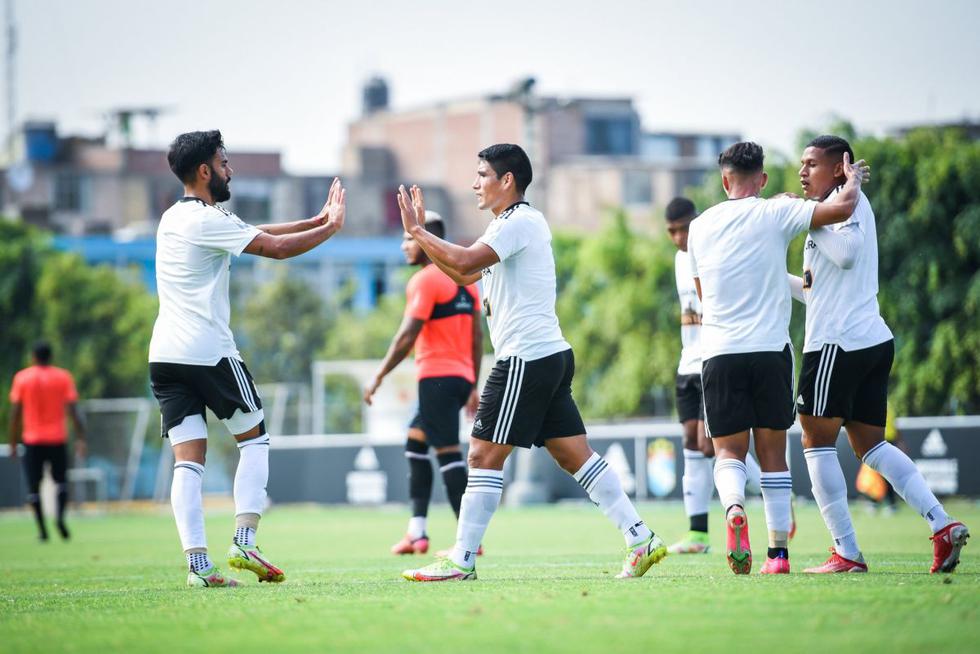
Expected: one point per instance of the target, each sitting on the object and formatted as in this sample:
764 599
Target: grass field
546 584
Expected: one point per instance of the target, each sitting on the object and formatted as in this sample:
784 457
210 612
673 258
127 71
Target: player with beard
443 324
194 362
847 358
527 399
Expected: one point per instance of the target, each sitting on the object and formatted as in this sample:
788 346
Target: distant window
69 191
252 199
637 188
660 147
315 192
609 136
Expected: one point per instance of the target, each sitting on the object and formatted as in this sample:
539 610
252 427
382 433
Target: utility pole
11 71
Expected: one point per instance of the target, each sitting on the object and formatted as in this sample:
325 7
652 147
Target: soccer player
697 481
737 252
847 358
442 322
527 399
39 396
194 362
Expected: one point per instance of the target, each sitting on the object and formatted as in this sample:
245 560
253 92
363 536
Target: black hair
190 150
680 209
436 228
745 158
509 158
42 352
832 146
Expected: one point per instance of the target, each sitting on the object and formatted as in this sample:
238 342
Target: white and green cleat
250 557
210 578
441 570
641 556
696 542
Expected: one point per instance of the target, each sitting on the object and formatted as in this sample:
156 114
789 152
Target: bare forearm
450 258
399 349
294 227
292 245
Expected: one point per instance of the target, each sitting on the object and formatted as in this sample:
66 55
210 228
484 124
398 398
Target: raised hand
335 208
412 206
859 169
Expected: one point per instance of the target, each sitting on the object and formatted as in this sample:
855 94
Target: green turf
546 584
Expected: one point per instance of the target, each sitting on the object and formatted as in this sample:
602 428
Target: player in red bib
442 322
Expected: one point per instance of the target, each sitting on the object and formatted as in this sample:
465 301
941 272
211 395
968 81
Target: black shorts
743 391
525 403
851 385
440 401
690 404
34 458
185 390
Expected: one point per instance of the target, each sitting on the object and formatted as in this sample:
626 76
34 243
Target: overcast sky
287 75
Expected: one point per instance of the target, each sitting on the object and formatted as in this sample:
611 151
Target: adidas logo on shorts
799 400
478 424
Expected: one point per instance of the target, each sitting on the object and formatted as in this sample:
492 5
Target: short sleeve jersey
520 289
444 347
687 294
43 392
842 305
195 243
737 249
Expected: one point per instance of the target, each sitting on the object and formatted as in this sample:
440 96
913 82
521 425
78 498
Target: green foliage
283 324
99 323
618 307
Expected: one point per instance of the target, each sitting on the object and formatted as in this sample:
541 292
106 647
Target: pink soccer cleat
409 546
776 566
739 549
946 546
837 563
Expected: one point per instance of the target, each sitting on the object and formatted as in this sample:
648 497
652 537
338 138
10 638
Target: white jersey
687 294
842 305
519 292
738 251
195 242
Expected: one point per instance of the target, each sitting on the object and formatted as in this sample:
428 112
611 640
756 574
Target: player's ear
204 171
765 179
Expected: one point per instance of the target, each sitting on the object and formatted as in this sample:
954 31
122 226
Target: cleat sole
262 572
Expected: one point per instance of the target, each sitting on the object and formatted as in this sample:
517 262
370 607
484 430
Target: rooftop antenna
120 120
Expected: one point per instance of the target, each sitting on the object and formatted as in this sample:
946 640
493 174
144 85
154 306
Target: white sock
893 464
252 475
185 498
198 560
753 476
606 491
730 482
482 496
416 527
830 491
696 482
777 487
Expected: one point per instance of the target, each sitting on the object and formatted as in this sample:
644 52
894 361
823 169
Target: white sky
287 75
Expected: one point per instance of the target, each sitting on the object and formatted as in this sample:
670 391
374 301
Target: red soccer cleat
837 563
946 546
739 549
408 546
776 566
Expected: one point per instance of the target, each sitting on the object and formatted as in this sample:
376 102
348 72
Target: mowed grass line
545 585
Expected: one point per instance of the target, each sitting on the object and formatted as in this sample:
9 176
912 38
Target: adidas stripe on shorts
525 403
185 390
851 385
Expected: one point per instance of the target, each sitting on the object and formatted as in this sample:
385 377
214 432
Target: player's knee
416 449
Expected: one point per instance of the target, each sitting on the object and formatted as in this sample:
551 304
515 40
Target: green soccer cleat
210 578
250 558
696 542
641 556
441 570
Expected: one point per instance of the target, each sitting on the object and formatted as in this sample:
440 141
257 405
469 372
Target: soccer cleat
250 557
837 563
946 546
640 557
409 546
696 542
441 570
210 578
776 566
444 553
739 549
